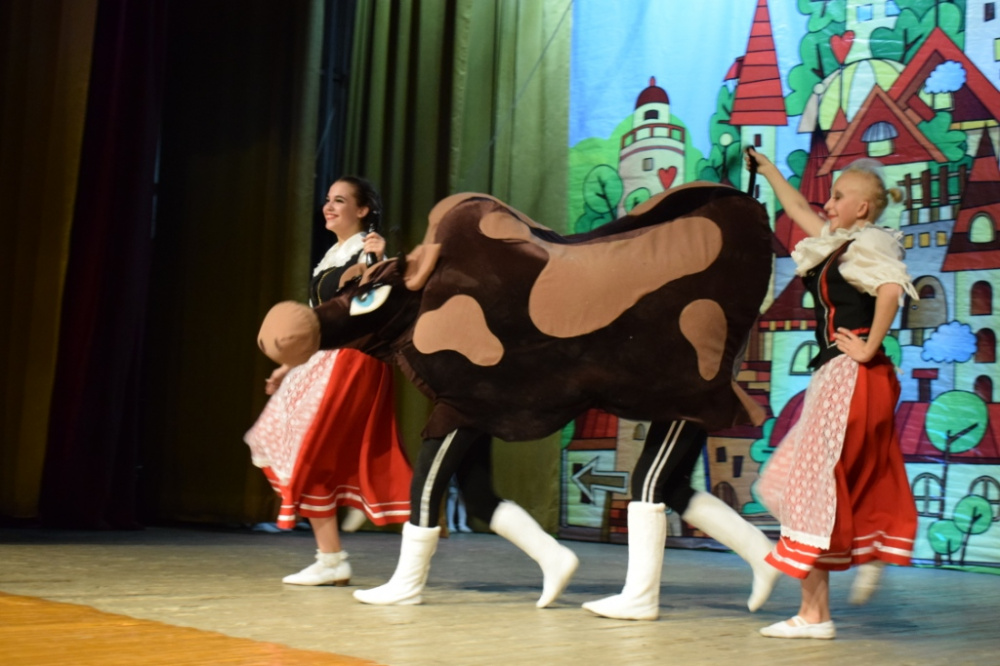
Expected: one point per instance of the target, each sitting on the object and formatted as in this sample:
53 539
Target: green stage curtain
463 95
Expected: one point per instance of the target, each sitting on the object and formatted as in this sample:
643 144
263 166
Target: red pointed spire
759 99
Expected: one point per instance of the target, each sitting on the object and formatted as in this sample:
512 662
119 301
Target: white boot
406 584
328 569
718 520
866 581
647 537
557 561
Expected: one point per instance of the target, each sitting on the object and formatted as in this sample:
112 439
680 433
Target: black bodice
327 282
837 305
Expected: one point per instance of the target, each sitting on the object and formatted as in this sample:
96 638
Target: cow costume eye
370 300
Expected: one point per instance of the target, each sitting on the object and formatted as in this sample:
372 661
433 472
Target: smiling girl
837 483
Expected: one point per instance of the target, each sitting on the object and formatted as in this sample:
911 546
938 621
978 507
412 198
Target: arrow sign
589 480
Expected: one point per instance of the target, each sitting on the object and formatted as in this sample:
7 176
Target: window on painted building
647 164
983 387
989 11
891 8
721 455
989 489
808 301
757 140
981 229
865 13
927 291
725 492
639 432
908 241
925 239
996 49
804 354
981 298
879 137
651 114
942 238
986 346
928 495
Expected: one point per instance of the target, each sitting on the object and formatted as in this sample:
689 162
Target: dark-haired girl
327 437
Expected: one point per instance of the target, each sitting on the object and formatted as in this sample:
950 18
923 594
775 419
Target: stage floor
479 603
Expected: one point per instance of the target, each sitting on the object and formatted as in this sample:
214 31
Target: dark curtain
45 55
151 220
90 473
338 29
235 219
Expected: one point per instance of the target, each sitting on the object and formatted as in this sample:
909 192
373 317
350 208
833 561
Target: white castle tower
651 156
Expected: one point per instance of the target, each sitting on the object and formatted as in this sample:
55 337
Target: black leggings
663 472
465 453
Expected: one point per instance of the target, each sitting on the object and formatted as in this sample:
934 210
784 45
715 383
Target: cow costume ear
419 265
352 273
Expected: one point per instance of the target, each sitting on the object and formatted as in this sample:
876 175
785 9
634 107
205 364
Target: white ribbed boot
328 569
718 520
407 582
558 562
647 537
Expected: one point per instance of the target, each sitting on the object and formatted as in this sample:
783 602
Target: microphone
370 258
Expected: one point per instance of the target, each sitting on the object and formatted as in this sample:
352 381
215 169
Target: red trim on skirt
876 517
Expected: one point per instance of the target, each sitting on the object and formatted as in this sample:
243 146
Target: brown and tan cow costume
512 331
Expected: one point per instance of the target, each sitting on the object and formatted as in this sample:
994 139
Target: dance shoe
799 628
328 569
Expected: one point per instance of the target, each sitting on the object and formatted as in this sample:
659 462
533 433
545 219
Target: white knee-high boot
406 584
558 562
718 520
647 537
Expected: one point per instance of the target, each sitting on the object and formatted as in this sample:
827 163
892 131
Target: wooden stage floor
220 592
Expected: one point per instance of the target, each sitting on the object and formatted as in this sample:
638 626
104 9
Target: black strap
753 171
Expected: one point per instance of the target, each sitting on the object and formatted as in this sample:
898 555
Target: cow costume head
515 330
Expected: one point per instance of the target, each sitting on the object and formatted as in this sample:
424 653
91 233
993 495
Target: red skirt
328 438
875 515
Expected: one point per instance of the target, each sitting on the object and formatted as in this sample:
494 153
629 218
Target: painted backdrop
665 92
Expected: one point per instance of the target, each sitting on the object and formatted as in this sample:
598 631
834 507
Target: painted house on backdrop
962 283
758 101
982 37
940 77
973 258
651 157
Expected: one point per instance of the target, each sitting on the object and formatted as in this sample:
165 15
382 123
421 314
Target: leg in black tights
663 471
466 454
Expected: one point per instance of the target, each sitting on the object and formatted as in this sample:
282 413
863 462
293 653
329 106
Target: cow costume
512 331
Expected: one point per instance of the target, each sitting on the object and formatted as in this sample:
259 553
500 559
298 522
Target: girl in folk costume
837 483
327 436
